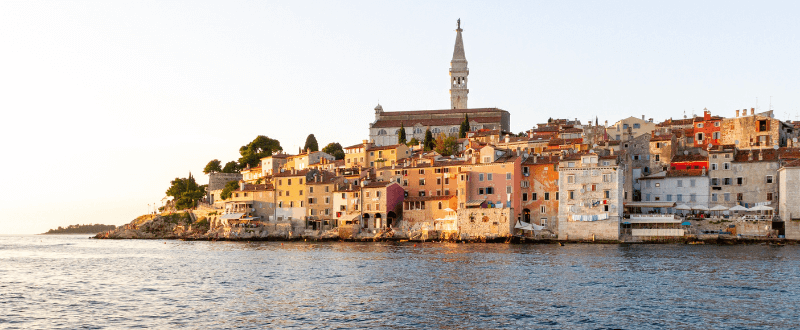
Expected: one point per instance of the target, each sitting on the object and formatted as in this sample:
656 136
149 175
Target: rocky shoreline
185 226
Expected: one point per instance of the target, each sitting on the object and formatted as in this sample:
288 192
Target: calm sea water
71 282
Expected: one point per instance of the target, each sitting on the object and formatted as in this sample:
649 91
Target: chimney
508 138
752 111
750 155
474 160
737 112
642 117
650 120
241 185
530 134
535 158
760 155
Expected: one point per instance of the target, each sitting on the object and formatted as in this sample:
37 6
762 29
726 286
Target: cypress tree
462 131
401 134
429 142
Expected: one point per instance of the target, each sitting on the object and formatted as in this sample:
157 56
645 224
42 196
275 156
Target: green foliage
462 131
401 134
212 167
229 188
260 181
82 229
413 142
429 142
230 167
522 134
311 143
445 145
334 149
186 192
260 147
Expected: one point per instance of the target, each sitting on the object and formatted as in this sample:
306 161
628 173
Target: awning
738 208
683 207
760 208
686 223
718 208
232 216
349 217
700 208
650 204
655 220
626 223
474 203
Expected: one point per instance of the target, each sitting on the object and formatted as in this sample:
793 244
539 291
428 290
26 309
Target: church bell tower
458 74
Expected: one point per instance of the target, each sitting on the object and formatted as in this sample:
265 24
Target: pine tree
401 134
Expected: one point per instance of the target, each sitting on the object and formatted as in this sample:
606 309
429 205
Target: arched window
417 130
436 130
440 205
454 129
382 132
397 132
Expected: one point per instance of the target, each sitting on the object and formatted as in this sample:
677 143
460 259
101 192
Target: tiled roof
394 146
289 173
378 184
258 187
443 112
681 173
689 158
384 123
428 198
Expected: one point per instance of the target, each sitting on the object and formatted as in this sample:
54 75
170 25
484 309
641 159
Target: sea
74 282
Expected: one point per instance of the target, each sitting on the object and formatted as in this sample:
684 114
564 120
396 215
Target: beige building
756 131
272 164
630 126
320 207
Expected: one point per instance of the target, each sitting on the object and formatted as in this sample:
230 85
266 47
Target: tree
186 192
230 186
311 143
446 145
413 142
462 131
260 147
429 142
334 149
230 167
401 134
212 167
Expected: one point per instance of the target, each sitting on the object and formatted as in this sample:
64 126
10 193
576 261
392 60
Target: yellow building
291 187
367 154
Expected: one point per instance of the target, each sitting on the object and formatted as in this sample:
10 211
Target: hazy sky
103 103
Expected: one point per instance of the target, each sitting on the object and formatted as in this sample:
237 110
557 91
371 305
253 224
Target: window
692 182
739 181
680 198
508 176
533 196
740 197
525 170
669 198
624 126
647 185
658 184
607 194
727 181
508 189
713 197
311 190
524 197
556 195
438 181
571 194
647 197
571 178
480 177
769 196
680 183
606 177
367 194
769 179
605 208
547 196
714 166
726 197
480 191
570 164
489 190
658 158
699 125
715 135
289 182
726 166
421 182
489 176
421 171
715 181
636 125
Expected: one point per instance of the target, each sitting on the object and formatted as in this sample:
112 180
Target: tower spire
458 73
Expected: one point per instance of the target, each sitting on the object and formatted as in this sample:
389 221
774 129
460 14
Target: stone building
591 197
346 204
272 164
539 192
690 187
217 181
435 212
789 191
662 148
756 131
384 130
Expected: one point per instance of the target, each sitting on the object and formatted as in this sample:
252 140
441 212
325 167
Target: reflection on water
72 282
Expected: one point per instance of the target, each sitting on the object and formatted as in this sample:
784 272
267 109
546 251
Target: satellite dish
794 140
736 142
775 147
710 145
594 145
591 150
583 190
686 152
658 133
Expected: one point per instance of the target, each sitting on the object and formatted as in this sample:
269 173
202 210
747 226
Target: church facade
383 131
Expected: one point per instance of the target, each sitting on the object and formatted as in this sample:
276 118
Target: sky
105 102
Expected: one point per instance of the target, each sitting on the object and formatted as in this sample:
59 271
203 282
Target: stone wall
489 223
588 230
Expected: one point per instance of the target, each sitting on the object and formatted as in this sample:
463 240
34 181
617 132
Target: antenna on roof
770 102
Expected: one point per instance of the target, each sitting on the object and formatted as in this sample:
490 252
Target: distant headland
80 229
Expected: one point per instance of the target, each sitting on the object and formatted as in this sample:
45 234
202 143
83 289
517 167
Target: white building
590 197
689 187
